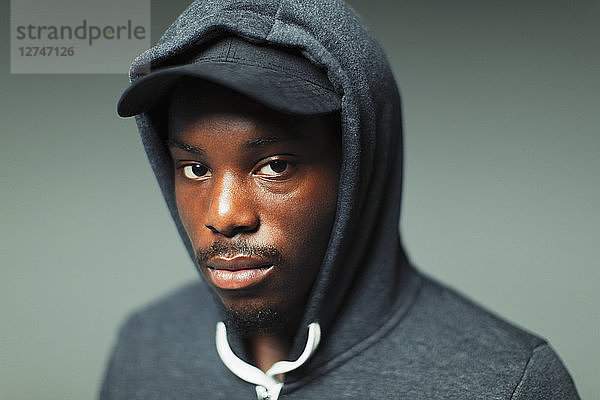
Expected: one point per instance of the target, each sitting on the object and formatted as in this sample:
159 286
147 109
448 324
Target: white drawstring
267 386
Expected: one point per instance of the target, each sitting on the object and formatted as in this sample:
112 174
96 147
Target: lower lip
240 279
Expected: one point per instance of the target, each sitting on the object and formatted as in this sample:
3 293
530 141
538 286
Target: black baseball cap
277 78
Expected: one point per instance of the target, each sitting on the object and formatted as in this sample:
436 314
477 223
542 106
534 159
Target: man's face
256 193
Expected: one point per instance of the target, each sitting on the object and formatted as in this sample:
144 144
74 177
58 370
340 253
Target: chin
251 317
250 321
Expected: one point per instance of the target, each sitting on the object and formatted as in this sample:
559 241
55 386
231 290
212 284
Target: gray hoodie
386 330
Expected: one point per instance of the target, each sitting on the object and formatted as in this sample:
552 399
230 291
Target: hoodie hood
365 277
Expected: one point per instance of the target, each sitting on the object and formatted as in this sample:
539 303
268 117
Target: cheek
304 227
304 218
188 207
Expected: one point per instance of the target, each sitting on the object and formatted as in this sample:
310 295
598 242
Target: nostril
211 228
232 230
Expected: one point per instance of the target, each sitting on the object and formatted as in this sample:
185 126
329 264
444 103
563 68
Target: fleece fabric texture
387 331
438 346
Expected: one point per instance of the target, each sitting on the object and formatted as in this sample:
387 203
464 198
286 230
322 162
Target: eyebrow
185 146
250 144
253 143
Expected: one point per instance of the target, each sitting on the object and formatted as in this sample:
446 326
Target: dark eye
273 168
195 172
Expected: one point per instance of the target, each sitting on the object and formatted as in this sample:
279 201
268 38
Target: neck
266 350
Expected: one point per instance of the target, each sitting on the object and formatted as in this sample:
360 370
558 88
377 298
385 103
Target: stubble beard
252 320
248 322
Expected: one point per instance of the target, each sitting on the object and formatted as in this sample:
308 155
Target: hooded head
353 244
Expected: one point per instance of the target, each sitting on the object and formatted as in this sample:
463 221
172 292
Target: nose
231 210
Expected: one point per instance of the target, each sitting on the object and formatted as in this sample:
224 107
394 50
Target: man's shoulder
442 310
166 349
445 346
457 346
186 308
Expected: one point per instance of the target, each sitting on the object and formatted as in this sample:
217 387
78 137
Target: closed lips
238 277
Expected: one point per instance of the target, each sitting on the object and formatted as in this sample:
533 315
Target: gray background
501 103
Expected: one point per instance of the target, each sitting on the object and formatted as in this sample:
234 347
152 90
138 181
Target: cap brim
270 87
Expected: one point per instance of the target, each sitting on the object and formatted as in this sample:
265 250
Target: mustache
229 250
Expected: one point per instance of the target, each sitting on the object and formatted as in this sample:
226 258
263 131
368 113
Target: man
274 130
